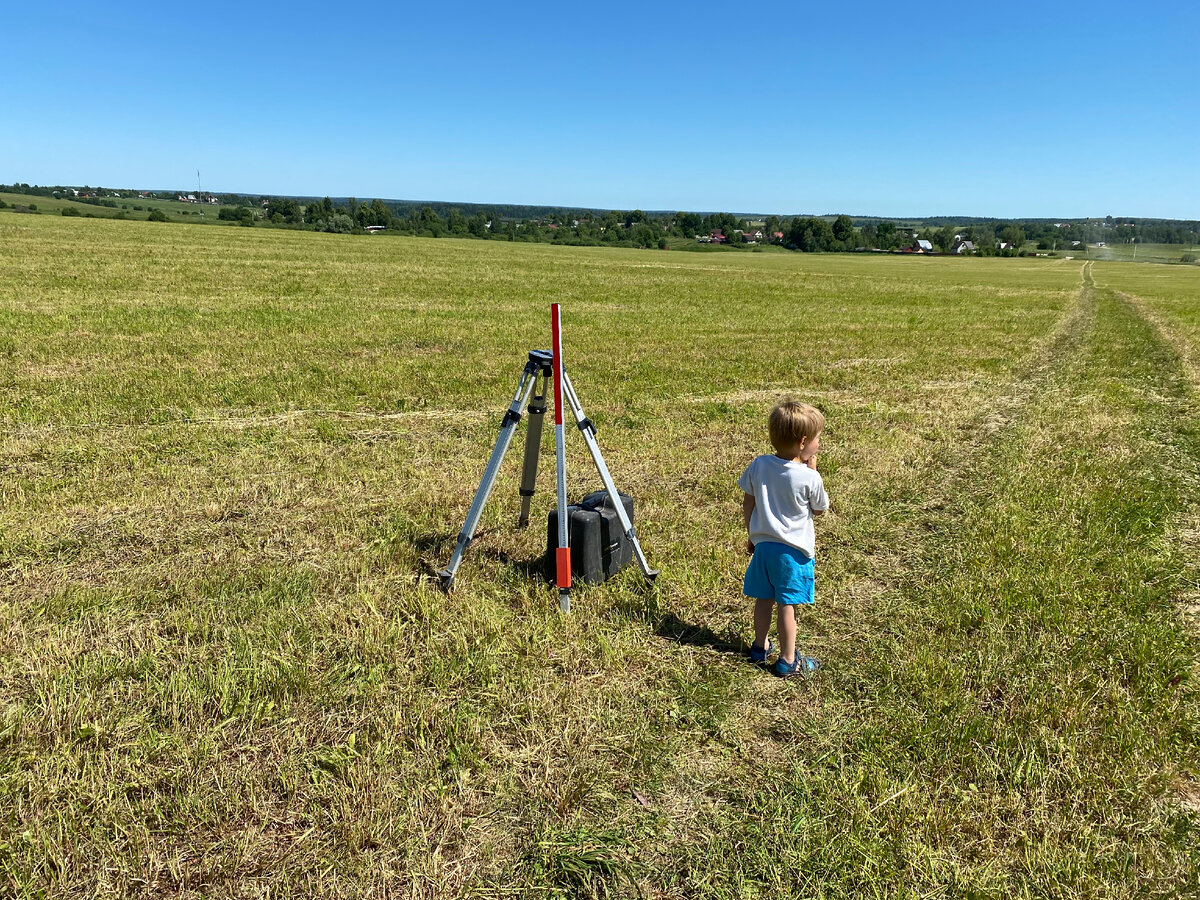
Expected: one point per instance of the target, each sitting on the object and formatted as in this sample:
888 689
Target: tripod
537 373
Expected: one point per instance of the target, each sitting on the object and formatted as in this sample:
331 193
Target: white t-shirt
786 493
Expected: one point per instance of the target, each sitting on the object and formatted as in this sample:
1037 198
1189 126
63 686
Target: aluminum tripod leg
589 435
507 427
533 447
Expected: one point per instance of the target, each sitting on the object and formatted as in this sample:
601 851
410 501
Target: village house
961 246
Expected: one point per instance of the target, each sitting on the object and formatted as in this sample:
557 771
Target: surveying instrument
542 367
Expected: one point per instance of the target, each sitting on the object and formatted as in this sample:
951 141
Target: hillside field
128 207
231 460
1150 253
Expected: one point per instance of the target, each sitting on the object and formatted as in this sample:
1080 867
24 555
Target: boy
783 495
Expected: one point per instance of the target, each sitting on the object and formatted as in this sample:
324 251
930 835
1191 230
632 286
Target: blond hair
791 422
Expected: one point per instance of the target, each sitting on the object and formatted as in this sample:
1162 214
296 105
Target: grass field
231 459
1147 253
128 207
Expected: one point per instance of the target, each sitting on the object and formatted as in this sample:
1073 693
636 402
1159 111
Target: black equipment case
599 547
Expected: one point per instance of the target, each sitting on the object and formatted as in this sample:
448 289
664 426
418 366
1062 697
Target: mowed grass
232 459
1147 253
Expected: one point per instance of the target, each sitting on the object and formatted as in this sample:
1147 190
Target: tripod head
540 360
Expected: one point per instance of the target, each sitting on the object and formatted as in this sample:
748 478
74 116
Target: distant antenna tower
199 193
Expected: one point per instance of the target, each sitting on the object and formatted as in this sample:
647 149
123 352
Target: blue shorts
779 572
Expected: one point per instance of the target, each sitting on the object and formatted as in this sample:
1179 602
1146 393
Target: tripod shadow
437 542
533 568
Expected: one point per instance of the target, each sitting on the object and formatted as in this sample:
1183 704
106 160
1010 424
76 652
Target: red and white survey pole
563 554
542 367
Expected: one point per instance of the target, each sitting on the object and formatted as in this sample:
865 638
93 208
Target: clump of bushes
71 211
239 214
156 215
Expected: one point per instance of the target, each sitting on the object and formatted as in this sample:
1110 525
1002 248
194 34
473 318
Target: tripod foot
445 580
651 575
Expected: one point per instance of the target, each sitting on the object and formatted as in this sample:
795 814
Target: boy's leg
787 631
762 621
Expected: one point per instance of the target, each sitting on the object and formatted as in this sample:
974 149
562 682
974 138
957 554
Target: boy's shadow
667 626
670 627
673 628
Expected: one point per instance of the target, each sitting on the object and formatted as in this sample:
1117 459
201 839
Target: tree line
636 228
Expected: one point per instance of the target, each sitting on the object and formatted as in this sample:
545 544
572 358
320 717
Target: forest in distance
633 228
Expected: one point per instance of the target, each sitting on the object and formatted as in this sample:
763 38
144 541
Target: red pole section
563 554
556 350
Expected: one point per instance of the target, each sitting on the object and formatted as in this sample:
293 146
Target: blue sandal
759 657
801 665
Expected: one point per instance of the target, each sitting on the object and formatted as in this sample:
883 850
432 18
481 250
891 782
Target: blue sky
889 109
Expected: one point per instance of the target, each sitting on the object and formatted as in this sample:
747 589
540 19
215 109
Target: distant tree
771 227
984 238
843 232
71 211
242 215
375 214
427 222
869 236
156 215
456 223
886 234
810 235
284 210
319 210
689 224
1012 234
645 235
338 223
944 237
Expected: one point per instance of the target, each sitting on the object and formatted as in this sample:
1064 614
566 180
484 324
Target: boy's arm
747 511
812 464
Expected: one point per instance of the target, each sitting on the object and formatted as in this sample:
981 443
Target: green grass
1147 253
174 210
233 458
